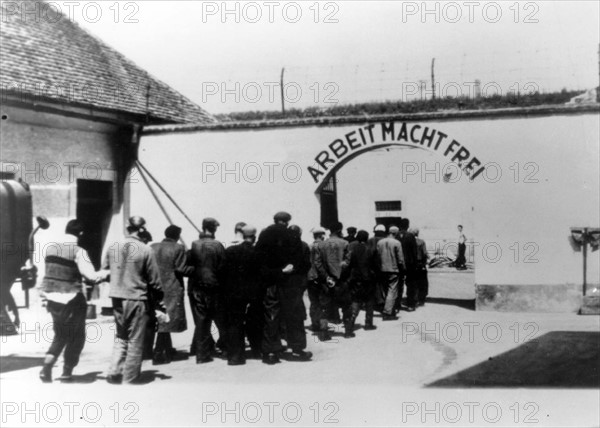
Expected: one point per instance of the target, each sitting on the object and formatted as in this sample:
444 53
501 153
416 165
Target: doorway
94 210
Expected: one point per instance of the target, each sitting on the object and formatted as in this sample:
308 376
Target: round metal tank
15 226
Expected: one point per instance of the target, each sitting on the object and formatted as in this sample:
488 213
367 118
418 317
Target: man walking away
172 264
239 235
207 257
293 310
62 292
335 253
379 233
276 251
351 234
409 249
243 298
316 283
421 274
391 262
363 267
136 291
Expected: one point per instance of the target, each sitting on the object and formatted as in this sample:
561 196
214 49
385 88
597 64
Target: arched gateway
376 136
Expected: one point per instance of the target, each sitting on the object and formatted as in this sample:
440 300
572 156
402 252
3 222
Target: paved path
421 368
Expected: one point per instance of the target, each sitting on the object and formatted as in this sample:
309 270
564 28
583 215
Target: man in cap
421 271
239 235
363 268
207 257
409 276
172 264
316 282
351 234
243 297
334 256
379 232
136 291
63 292
391 262
277 252
293 310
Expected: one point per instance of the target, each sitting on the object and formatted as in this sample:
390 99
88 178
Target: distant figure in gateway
461 261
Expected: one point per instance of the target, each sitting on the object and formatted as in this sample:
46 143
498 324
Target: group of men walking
252 290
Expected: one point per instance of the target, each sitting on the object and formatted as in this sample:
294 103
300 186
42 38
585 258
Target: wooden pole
584 244
433 79
282 93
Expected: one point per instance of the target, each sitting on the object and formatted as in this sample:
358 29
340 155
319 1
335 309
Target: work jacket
391 258
207 257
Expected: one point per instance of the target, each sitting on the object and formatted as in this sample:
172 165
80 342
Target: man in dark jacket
243 298
316 282
291 295
172 264
363 268
136 291
207 257
422 257
277 252
379 232
409 275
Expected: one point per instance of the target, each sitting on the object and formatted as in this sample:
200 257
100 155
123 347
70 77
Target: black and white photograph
299 214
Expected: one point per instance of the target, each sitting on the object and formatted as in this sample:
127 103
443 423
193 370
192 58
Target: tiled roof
50 58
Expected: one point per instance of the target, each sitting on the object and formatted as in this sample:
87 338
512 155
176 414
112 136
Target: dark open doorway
94 210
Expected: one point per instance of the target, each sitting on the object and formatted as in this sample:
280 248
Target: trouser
207 306
163 343
131 319
315 288
363 293
149 337
69 329
338 295
244 318
412 288
271 342
460 259
380 290
293 312
423 285
390 279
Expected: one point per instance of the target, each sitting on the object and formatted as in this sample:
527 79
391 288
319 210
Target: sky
357 51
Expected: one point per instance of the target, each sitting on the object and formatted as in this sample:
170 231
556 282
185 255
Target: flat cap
209 223
394 230
282 216
248 231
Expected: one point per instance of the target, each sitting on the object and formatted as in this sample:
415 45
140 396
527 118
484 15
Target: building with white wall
535 174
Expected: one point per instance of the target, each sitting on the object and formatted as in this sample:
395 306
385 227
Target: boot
369 322
67 374
349 329
46 372
270 358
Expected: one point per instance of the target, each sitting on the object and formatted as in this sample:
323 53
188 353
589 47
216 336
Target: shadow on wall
559 359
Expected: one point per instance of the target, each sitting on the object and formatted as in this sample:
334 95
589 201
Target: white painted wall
560 152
